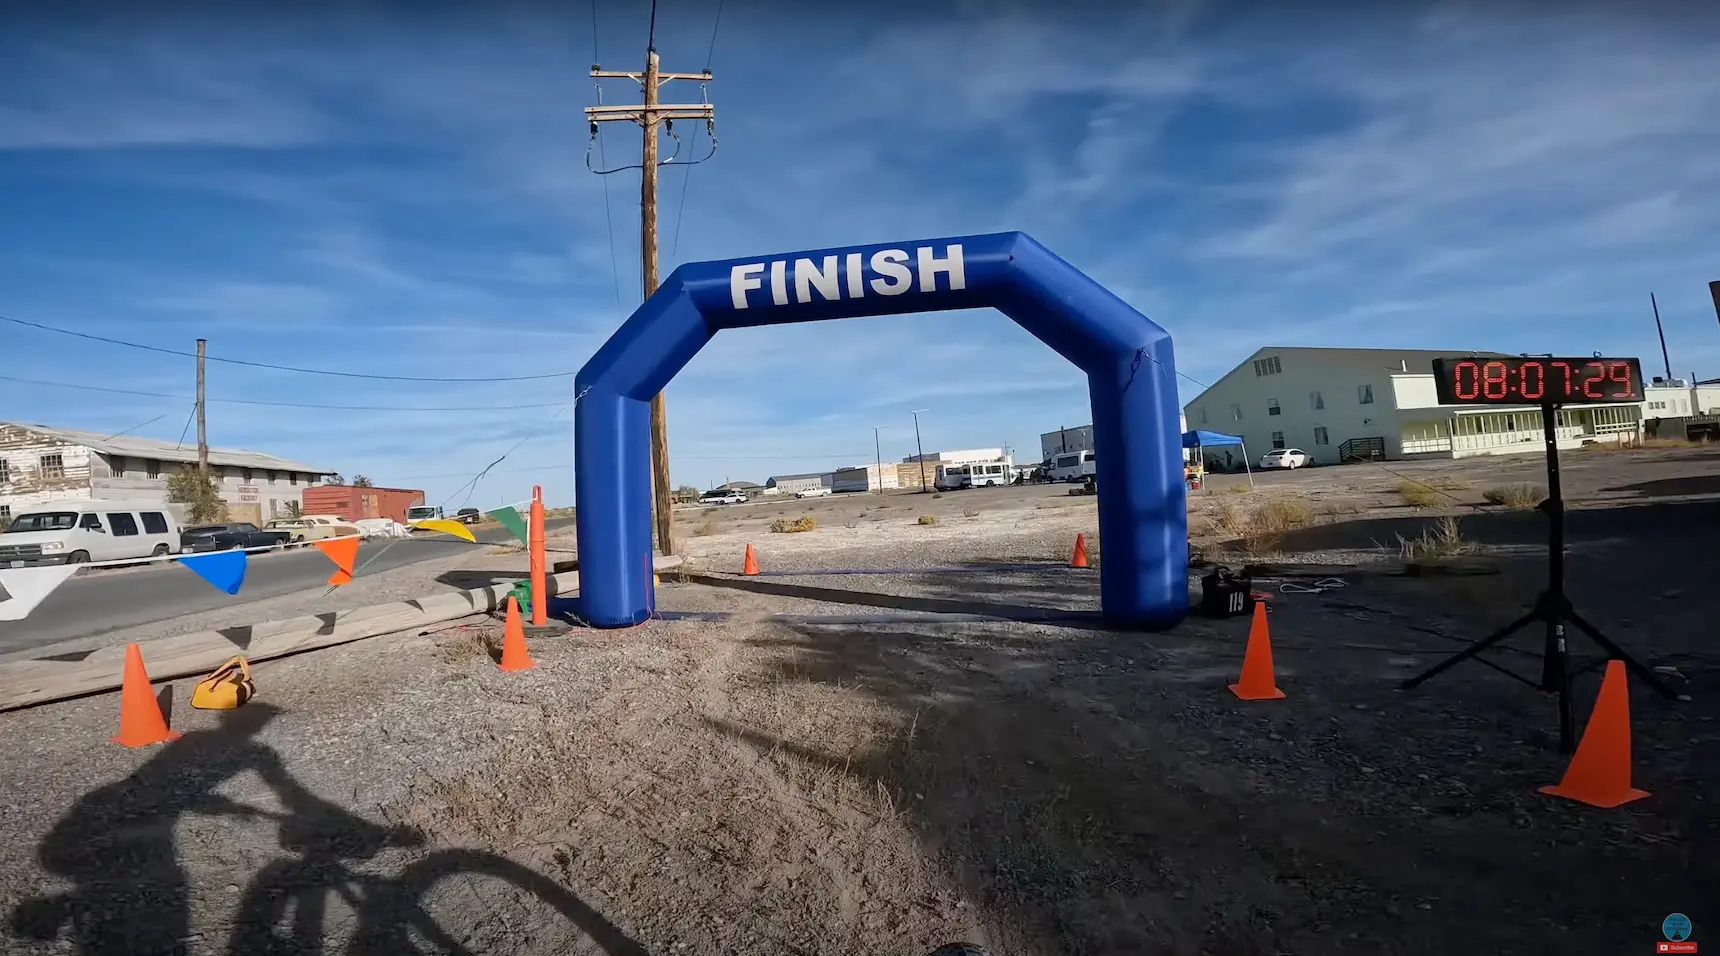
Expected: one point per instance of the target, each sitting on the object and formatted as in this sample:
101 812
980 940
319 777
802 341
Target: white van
1070 466
82 530
986 474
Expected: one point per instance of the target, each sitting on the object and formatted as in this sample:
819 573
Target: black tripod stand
1553 608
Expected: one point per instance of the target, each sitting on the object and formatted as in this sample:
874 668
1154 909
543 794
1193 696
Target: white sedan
817 492
1285 458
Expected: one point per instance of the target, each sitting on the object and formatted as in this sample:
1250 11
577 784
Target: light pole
920 450
878 449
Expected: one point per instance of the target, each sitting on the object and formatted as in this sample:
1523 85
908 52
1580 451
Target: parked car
314 527
817 492
722 496
468 516
83 530
237 534
1285 458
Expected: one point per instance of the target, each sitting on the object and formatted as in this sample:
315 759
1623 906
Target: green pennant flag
511 520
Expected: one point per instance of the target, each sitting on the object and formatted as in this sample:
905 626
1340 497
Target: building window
245 475
6 469
292 477
1236 412
1320 436
5 512
1365 394
53 468
1272 406
119 466
1277 439
152 468
1267 366
1316 401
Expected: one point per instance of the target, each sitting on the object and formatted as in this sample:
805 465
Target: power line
686 177
248 401
278 368
608 213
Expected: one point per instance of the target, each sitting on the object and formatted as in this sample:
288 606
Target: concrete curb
52 677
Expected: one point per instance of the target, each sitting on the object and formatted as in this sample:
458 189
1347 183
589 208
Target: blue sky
406 193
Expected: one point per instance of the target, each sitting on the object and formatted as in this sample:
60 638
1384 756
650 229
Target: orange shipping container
355 503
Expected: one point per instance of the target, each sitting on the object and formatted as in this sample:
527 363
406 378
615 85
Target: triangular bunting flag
224 569
445 526
343 552
509 518
29 586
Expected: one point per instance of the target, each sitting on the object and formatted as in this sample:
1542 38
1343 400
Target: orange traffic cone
140 719
1599 774
1257 681
1079 558
515 657
751 565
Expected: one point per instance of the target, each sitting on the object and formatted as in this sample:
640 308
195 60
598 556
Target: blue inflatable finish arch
1131 380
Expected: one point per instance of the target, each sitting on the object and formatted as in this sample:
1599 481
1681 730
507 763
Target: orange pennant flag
343 552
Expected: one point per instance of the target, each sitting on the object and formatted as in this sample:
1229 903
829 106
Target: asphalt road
94 602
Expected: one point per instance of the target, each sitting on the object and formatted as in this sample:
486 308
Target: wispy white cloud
411 197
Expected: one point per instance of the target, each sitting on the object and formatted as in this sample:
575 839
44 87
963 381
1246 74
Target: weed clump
1515 497
792 525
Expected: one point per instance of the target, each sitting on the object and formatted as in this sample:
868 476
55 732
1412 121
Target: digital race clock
1536 381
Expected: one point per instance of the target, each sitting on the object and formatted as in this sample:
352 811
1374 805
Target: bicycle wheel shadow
130 893
115 844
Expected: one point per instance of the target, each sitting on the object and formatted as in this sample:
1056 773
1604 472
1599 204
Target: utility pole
1657 328
920 449
202 425
648 115
878 449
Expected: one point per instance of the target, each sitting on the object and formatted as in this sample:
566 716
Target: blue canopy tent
1199 439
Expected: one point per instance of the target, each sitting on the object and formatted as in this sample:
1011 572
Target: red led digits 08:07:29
1536 381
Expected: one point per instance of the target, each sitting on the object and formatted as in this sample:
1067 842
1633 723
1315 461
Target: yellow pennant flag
445 526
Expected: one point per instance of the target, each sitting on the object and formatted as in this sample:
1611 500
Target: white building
794 484
1679 398
39 463
1357 404
964 456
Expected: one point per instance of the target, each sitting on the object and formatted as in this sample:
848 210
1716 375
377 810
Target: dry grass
969 513
927 519
1443 540
1429 493
1637 444
1261 529
1515 497
469 644
792 525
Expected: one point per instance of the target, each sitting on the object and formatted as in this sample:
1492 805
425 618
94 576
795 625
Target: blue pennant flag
224 569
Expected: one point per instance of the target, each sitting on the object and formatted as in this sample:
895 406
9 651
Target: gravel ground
816 762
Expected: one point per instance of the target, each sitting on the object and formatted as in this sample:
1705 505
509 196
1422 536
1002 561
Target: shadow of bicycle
130 891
